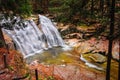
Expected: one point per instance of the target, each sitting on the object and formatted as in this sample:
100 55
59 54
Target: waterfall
50 31
30 40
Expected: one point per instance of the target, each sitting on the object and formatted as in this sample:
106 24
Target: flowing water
51 56
30 40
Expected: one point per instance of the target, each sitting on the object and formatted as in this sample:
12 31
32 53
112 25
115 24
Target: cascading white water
30 39
50 31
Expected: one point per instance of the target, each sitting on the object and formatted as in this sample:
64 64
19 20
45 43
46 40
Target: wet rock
71 72
9 41
72 42
95 45
74 35
68 72
97 58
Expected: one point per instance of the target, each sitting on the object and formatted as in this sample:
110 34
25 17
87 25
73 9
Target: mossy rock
95 57
98 58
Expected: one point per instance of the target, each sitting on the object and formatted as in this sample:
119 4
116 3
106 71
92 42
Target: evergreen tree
17 6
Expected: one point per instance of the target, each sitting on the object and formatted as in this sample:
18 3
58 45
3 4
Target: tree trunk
108 2
112 20
102 6
44 5
92 7
119 62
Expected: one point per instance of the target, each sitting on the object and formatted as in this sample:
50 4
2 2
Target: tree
101 6
112 20
24 7
44 5
92 7
17 6
119 62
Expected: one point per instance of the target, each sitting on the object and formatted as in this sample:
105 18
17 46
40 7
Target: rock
94 45
68 72
8 41
72 42
16 66
98 58
71 72
74 35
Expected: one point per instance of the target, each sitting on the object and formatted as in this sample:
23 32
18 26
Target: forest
59 40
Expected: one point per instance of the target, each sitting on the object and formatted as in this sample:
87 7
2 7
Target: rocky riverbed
85 61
